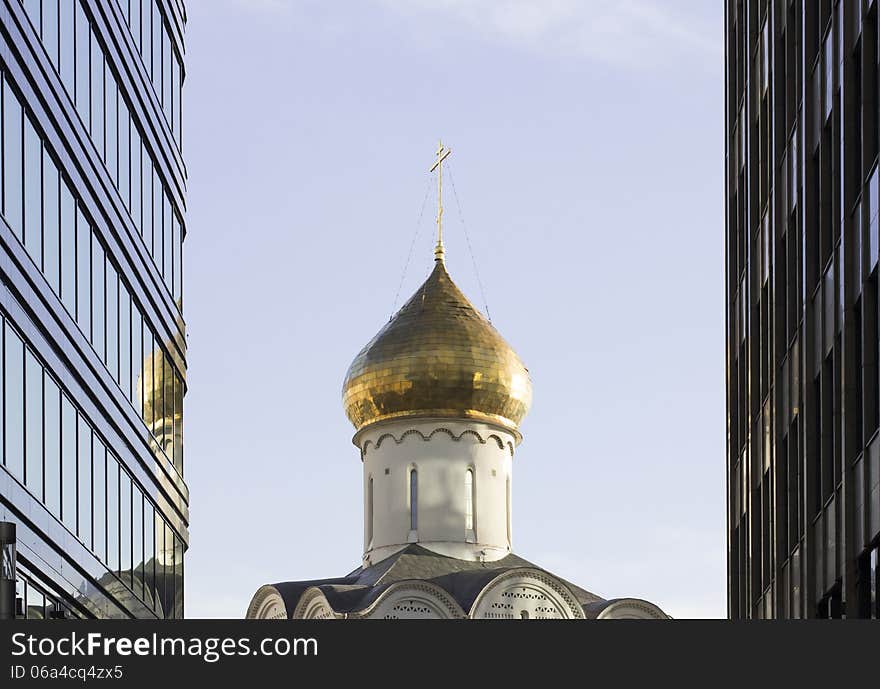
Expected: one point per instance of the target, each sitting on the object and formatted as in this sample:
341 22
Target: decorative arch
631 609
526 593
412 600
267 604
313 605
455 438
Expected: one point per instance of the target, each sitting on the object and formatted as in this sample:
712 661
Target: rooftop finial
442 154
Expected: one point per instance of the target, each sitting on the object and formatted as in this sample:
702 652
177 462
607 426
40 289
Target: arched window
413 499
370 512
469 501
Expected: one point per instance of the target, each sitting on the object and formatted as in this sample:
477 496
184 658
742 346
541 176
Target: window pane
178 425
829 72
765 58
178 103
112 321
154 415
124 340
173 422
159 586
830 305
149 574
68 248
51 223
157 220
83 70
147 34
137 358
125 527
33 193
169 573
52 442
174 87
180 279
111 140
137 541
33 391
156 71
99 493
97 126
166 71
32 7
13 378
166 241
83 273
12 160
873 242
20 592
68 463
793 171
146 198
67 45
84 480
168 566
149 378
178 578
134 21
175 259
165 406
112 513
50 29
136 190
858 258
2 388
98 304
36 603
124 127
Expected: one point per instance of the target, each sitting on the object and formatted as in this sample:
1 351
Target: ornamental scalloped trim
426 438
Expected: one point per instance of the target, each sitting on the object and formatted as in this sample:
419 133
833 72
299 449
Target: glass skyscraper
91 328
802 131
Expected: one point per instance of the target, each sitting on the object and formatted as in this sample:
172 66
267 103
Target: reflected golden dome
438 356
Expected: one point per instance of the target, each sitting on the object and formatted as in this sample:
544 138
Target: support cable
468 240
411 247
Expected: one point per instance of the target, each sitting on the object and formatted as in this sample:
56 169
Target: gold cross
442 154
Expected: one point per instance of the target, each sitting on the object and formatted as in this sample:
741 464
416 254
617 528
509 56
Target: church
436 399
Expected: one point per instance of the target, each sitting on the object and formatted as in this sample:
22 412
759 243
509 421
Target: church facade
437 398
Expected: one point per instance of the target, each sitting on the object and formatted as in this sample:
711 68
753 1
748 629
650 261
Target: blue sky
587 140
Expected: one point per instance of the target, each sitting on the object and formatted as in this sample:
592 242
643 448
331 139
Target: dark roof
462 579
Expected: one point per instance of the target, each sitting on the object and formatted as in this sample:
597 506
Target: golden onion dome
437 357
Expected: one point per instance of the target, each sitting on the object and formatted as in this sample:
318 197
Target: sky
587 163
